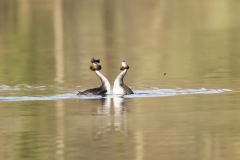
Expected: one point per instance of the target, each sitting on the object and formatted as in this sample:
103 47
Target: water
190 113
137 93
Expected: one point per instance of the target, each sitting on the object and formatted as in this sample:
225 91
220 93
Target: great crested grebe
104 88
119 86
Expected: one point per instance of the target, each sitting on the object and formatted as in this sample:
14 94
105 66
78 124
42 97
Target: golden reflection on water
59 54
60 138
59 43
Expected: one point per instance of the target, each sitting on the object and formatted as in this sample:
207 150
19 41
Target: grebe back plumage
104 88
119 86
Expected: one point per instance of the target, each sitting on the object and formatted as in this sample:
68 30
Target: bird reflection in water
110 118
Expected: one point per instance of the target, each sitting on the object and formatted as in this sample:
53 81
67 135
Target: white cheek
95 64
124 64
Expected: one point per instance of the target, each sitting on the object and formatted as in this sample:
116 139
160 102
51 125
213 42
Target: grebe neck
119 87
119 79
105 82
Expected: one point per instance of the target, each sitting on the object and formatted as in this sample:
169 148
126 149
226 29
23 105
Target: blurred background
48 42
46 47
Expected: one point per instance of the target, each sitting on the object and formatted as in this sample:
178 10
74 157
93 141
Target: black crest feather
95 60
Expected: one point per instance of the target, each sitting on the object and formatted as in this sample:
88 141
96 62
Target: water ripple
138 94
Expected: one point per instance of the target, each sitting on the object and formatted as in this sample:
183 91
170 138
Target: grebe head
95 66
124 65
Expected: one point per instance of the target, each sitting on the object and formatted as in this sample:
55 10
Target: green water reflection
50 44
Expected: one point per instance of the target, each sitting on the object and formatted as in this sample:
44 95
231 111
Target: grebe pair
119 87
